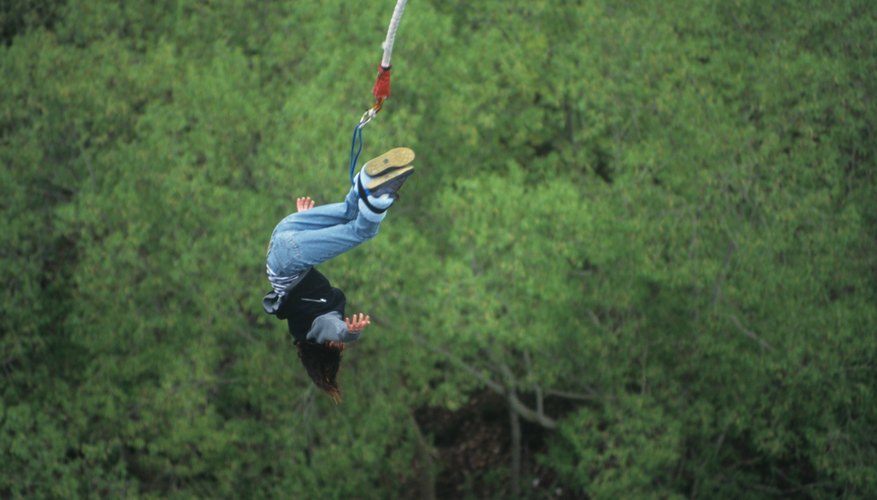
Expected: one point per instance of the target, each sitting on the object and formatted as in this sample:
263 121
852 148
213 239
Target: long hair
322 362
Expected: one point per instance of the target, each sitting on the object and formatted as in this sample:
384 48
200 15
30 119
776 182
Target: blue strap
354 156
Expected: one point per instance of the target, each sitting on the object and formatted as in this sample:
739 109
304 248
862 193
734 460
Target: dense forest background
637 260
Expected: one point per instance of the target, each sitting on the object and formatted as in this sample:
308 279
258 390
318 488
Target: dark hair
322 362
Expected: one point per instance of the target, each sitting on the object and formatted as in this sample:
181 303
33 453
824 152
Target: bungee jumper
302 295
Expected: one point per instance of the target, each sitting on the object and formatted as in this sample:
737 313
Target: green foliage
629 448
648 226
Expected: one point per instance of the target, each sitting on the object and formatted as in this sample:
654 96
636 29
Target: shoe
390 183
393 159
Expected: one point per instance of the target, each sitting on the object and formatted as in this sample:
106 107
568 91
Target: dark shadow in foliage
20 16
474 445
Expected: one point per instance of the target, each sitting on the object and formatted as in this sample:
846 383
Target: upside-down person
313 309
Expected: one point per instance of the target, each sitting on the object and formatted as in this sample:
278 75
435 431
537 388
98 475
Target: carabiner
371 113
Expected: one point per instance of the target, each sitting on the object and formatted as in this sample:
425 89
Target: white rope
391 32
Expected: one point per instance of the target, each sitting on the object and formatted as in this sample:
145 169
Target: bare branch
594 319
540 400
247 336
592 396
471 370
749 333
723 273
528 414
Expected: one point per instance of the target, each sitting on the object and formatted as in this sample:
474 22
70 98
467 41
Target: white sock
367 213
381 202
362 177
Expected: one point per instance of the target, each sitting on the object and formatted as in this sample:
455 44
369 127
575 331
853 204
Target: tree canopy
638 257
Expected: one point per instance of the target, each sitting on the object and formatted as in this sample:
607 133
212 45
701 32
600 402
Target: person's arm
331 328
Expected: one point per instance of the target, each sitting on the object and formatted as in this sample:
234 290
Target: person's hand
357 323
305 203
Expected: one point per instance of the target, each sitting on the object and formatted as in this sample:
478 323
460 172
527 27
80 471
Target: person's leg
322 216
384 167
317 246
308 238
284 254
303 240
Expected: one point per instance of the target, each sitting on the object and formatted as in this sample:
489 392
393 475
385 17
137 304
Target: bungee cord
381 88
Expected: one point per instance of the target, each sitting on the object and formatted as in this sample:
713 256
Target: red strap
381 90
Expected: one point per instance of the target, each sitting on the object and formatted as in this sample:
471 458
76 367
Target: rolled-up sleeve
330 327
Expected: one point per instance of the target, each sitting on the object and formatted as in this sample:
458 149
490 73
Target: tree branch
540 400
424 462
471 370
514 402
749 333
723 273
592 396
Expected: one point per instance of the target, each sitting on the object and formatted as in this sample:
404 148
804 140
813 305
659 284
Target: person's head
322 362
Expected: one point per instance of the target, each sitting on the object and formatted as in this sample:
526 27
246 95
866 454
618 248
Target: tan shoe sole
391 160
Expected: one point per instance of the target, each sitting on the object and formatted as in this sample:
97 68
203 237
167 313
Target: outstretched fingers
357 323
304 203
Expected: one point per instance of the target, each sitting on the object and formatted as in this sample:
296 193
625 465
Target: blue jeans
305 239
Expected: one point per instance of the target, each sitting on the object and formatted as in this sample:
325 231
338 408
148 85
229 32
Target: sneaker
393 159
389 184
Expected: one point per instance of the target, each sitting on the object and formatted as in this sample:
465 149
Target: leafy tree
647 227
